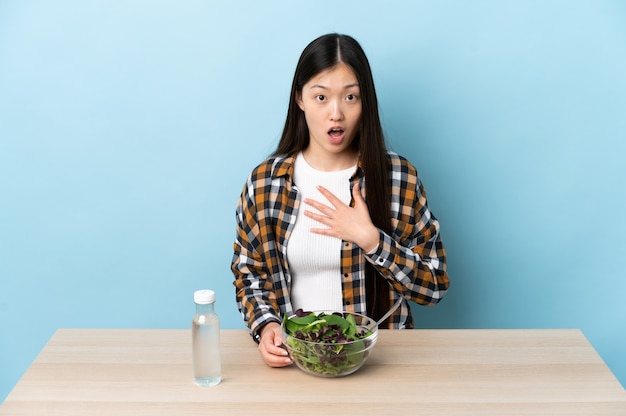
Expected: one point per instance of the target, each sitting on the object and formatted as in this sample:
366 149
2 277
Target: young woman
333 220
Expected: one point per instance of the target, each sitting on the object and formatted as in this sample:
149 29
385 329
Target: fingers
325 215
275 356
356 193
270 347
336 202
326 220
330 196
342 221
325 210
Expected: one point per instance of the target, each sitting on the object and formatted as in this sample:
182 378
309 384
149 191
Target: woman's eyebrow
323 87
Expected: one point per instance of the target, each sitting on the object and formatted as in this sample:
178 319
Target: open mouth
335 133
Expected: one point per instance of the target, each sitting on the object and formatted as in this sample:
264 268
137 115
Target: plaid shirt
412 258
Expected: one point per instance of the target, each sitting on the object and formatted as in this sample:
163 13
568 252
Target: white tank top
315 260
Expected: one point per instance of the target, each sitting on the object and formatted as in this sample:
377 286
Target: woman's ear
299 100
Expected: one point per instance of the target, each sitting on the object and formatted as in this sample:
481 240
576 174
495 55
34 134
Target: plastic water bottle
205 333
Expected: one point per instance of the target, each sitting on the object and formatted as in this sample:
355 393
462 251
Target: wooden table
427 372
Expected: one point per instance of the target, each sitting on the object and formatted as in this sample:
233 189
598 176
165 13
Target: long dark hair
324 53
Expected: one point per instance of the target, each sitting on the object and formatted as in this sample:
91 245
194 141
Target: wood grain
430 372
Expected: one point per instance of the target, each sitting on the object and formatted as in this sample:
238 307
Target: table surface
430 372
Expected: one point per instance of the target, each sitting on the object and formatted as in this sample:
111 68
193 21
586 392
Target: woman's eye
351 97
320 97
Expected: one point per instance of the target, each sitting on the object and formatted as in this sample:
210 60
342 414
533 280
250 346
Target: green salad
334 343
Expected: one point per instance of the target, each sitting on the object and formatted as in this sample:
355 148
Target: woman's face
331 102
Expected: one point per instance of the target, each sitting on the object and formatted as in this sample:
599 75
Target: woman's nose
336 112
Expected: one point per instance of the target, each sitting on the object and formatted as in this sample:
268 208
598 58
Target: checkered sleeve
412 258
255 296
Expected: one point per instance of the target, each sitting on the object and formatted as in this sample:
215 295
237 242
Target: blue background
127 130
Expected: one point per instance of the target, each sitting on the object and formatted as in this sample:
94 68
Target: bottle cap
204 297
